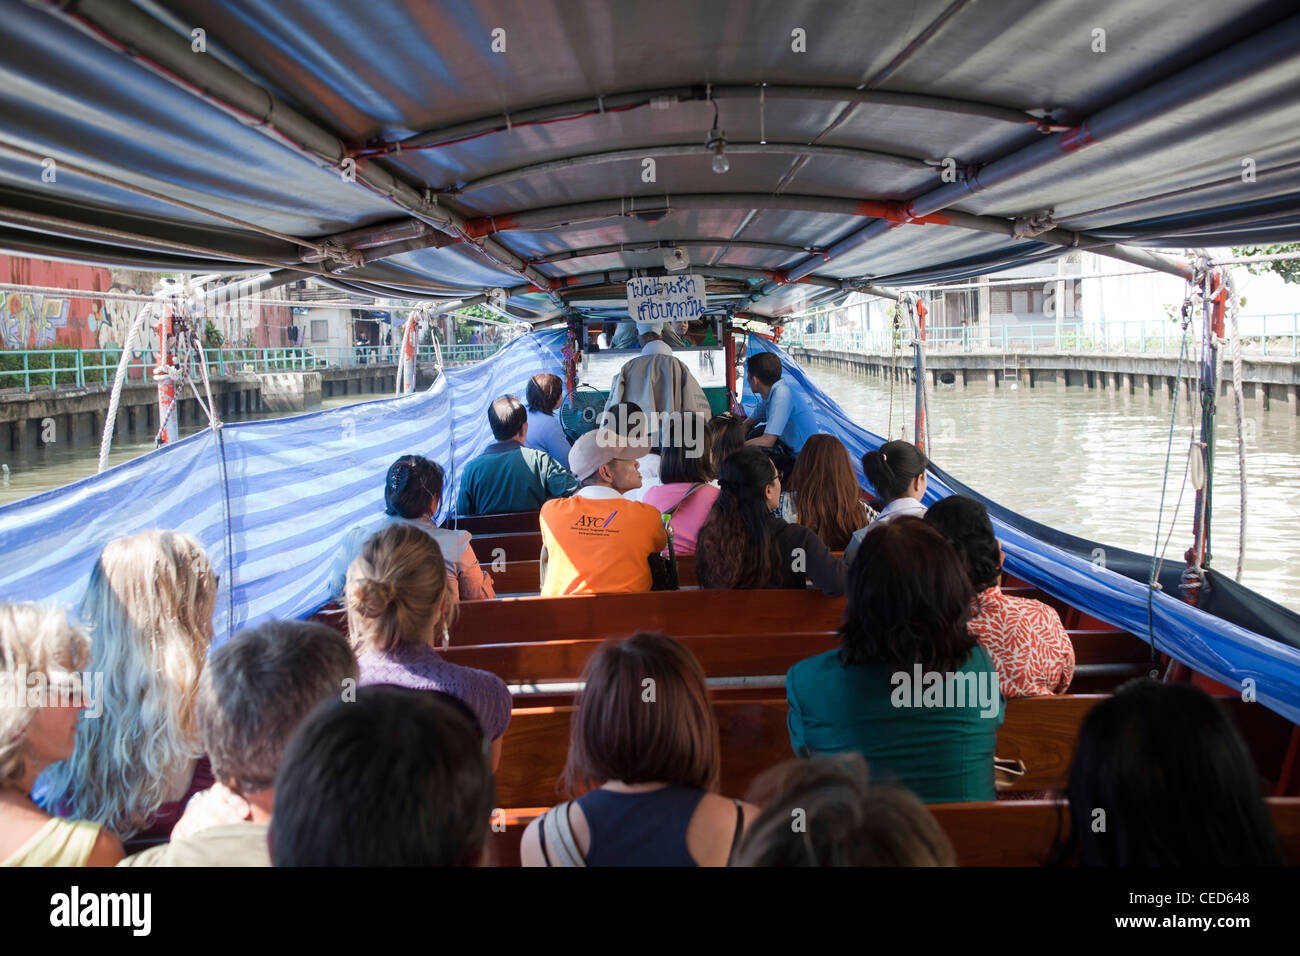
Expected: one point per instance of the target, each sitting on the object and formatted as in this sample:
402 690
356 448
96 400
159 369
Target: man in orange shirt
597 541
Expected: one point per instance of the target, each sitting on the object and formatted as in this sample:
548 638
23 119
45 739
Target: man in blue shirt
788 414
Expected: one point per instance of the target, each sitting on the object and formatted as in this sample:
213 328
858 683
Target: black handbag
663 571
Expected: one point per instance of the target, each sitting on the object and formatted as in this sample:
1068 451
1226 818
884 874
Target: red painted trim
1076 138
898 212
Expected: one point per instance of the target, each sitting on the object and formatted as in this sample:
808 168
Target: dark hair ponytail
735 547
893 468
411 486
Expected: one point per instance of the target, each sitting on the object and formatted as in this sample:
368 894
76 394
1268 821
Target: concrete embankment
1267 381
76 415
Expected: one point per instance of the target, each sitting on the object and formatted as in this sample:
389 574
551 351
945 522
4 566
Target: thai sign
665 298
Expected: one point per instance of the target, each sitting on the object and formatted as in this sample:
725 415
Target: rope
1234 340
119 379
893 373
1157 556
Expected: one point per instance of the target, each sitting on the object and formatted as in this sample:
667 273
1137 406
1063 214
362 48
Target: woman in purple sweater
399 606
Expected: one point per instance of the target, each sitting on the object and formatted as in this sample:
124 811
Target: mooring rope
119 379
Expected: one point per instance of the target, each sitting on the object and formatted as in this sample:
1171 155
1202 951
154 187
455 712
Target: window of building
320 330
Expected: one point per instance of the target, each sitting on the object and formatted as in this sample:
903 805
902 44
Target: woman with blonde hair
644 746
148 610
399 607
41 651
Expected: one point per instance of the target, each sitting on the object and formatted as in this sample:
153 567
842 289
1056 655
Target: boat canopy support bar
1278 44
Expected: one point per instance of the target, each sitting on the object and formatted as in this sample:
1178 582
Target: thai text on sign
665 298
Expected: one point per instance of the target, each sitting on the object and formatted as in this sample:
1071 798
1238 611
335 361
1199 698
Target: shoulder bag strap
566 847
740 831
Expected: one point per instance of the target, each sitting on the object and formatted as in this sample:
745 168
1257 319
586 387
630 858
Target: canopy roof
402 147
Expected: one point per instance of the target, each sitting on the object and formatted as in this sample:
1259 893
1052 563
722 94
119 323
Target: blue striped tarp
296 485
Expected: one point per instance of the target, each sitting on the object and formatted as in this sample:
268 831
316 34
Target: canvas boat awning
554 149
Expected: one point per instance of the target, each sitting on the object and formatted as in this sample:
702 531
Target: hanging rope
119 379
1233 307
893 370
1158 554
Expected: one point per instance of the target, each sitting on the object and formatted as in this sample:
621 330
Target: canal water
1086 462
1091 463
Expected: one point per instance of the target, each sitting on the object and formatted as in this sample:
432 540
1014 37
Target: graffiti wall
32 320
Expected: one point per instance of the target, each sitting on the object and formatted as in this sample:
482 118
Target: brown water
53 466
1091 463
1086 462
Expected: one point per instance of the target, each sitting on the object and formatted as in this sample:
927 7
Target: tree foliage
1288 269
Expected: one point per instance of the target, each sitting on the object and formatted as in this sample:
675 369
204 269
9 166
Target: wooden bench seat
1000 833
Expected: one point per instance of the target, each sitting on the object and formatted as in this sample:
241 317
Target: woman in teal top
910 688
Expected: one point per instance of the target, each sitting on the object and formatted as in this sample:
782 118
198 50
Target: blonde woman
399 606
148 610
41 651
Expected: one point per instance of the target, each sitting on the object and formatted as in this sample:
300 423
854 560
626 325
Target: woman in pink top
687 491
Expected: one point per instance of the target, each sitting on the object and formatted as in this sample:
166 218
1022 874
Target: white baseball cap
602 445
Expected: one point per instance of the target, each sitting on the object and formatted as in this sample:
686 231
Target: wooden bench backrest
745 655
1040 731
999 833
678 613
495 524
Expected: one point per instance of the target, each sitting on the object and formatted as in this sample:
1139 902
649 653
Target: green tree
1288 269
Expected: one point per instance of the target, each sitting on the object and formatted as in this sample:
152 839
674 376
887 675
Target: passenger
659 382
509 476
627 335
847 819
397 777
628 420
39 648
397 614
254 693
1167 776
148 611
727 432
827 498
743 544
412 495
688 490
544 431
787 413
1028 644
597 542
897 472
653 767
910 688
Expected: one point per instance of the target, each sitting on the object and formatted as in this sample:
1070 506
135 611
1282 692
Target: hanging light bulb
717 145
720 162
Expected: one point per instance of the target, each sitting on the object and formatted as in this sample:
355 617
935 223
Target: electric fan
580 412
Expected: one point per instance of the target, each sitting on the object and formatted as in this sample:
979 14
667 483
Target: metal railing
26 369
1276 334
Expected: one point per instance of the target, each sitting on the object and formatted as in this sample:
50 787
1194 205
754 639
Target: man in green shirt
508 476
